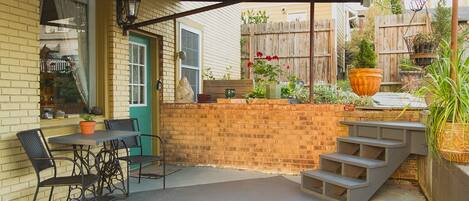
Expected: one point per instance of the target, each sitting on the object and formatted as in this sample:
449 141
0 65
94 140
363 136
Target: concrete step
372 142
394 124
354 160
345 182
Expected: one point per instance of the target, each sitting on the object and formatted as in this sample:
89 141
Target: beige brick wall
268 138
19 85
19 66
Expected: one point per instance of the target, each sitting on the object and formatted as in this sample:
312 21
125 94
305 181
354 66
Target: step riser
378 133
365 151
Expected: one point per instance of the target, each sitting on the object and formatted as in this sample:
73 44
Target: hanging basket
422 54
453 142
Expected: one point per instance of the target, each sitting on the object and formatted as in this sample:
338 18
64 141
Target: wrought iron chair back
124 125
34 145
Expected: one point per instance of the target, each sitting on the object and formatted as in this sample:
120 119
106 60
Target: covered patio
104 100
208 183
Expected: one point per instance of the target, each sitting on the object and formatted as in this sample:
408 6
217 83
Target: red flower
250 64
268 58
275 57
259 54
288 66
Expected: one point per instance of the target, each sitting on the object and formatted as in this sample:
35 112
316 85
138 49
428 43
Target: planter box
411 80
216 88
260 101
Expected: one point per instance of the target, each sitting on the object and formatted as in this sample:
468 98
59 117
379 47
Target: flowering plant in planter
266 75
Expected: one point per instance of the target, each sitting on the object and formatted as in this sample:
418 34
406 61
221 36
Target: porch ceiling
281 1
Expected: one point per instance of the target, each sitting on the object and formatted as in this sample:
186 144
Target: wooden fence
390 45
290 41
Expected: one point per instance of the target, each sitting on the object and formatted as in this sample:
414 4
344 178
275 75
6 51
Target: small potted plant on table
365 78
88 125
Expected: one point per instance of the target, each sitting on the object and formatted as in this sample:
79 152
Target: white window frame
198 32
145 84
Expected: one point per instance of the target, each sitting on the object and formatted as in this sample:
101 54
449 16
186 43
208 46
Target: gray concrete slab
190 176
390 100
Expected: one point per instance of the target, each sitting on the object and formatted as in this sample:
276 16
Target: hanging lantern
127 12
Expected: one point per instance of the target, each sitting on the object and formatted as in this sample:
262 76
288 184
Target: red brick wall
267 138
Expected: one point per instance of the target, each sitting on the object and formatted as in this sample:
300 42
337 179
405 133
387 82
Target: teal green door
140 88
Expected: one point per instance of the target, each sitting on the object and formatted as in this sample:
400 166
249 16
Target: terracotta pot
204 98
365 81
349 107
87 127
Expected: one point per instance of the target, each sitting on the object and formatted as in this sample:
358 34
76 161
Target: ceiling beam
182 14
221 4
279 1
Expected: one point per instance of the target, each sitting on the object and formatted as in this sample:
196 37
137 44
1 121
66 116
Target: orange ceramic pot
365 81
87 127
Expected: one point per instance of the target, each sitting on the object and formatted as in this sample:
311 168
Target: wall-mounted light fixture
126 12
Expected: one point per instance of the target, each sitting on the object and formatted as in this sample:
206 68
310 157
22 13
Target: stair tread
339 180
372 141
389 124
354 160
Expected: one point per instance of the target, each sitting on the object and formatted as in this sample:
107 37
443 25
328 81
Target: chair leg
139 172
35 194
164 175
128 179
83 193
51 192
95 195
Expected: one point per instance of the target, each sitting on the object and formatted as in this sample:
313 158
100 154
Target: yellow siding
275 13
221 38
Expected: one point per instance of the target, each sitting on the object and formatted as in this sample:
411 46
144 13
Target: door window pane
137 83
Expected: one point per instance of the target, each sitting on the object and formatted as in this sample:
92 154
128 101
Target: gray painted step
354 160
335 179
393 124
372 142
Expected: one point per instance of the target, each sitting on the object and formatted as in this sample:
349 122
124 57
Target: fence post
251 48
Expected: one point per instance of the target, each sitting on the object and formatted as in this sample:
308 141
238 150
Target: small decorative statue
184 92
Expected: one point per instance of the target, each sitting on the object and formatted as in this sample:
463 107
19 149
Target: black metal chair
135 143
38 152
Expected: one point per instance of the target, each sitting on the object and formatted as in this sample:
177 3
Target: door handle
159 85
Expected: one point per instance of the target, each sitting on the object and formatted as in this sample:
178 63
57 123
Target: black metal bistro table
109 169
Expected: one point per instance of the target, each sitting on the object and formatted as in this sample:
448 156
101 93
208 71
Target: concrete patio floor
189 176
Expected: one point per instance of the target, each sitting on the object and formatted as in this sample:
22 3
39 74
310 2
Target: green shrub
366 57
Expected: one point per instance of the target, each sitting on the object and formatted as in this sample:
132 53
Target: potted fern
448 123
88 125
365 78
